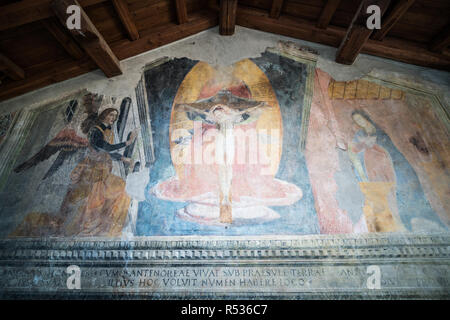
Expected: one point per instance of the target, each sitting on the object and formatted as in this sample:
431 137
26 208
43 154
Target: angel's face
111 118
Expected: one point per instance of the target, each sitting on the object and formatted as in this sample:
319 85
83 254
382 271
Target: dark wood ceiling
36 50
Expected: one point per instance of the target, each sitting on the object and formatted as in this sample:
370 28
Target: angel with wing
96 202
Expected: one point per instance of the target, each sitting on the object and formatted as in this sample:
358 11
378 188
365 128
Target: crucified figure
226 118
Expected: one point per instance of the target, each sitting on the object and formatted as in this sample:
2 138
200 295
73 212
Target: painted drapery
367 169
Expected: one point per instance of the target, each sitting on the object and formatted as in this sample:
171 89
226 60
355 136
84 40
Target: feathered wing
62 157
43 154
66 142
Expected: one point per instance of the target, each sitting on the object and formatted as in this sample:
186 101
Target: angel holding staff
96 202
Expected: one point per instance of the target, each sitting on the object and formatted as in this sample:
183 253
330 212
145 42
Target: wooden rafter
59 71
123 49
182 14
327 13
2 77
441 41
11 69
65 40
275 10
44 73
165 34
124 14
400 50
394 15
89 39
358 33
28 11
227 19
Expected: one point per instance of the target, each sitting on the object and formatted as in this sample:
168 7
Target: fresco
227 151
266 146
69 183
374 153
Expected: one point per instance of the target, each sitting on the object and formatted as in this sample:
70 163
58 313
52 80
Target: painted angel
67 142
96 202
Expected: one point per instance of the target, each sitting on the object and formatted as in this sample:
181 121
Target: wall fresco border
304 267
309 57
442 110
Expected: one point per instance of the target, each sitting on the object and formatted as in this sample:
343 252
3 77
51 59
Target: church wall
323 156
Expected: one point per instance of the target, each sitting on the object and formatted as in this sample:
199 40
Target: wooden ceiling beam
275 10
227 19
89 38
123 49
165 34
11 69
327 13
28 11
182 14
2 77
60 71
288 26
390 48
441 41
358 33
65 40
122 10
393 16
